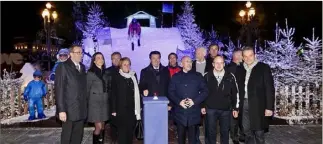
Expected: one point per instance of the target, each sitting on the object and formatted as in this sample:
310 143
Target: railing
299 104
296 104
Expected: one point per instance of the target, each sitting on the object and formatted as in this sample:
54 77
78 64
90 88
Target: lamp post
247 18
49 17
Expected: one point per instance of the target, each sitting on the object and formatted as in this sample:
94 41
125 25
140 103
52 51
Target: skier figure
61 56
33 94
134 32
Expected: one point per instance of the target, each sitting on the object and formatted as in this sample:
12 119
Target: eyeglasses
63 55
79 53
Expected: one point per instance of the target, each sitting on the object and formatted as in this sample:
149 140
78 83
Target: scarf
131 75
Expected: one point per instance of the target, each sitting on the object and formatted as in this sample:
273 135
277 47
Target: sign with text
12 58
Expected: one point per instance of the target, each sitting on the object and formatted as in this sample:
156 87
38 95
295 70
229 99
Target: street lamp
49 17
247 16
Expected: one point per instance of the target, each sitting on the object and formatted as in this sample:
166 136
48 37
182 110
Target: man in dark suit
70 94
154 79
258 97
235 67
187 90
114 69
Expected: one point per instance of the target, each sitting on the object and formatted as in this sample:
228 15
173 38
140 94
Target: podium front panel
155 120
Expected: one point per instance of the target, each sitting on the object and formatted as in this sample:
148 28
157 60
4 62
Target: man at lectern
187 90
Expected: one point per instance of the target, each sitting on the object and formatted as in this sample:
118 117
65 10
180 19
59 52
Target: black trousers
181 131
224 117
236 130
251 136
72 132
113 129
126 129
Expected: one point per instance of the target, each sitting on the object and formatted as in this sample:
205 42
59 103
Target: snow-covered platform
165 40
309 134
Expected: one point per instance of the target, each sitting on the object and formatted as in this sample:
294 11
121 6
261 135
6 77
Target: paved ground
311 134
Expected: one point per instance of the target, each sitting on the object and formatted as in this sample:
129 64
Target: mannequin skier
134 32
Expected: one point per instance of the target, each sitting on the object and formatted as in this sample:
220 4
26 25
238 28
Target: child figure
34 93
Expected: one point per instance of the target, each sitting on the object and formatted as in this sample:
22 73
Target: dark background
24 18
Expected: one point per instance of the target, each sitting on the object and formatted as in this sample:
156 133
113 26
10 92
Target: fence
296 104
13 103
299 104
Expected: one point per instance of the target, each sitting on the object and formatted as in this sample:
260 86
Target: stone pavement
308 134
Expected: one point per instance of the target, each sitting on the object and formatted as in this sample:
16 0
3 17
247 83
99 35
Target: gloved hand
25 98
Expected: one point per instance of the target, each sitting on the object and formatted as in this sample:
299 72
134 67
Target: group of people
239 95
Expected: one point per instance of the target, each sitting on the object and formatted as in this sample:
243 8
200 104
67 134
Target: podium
155 120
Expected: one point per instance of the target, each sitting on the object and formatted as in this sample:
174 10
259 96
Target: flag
168 7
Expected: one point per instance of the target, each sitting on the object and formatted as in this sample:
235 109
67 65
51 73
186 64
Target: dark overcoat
70 90
187 85
261 95
154 82
123 100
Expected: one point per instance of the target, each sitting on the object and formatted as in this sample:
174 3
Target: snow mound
24 118
164 40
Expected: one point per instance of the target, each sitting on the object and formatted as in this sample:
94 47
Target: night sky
24 18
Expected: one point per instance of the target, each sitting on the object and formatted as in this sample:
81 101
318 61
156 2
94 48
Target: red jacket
134 29
173 70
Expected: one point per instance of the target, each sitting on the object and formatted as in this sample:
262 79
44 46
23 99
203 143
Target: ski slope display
164 40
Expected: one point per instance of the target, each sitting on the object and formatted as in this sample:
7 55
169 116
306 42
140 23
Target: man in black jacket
213 52
258 97
114 69
115 58
235 67
154 79
70 95
222 101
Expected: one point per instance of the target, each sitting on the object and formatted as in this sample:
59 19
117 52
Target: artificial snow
24 118
27 75
164 40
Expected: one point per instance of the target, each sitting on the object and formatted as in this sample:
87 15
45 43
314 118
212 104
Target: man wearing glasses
70 95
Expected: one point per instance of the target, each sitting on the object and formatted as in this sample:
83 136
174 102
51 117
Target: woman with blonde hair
126 103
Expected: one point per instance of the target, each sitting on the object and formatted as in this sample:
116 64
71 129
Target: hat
37 73
134 20
63 51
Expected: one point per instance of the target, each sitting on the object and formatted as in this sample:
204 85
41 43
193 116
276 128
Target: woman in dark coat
99 90
126 103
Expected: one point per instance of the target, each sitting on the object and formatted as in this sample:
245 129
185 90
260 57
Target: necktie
78 67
